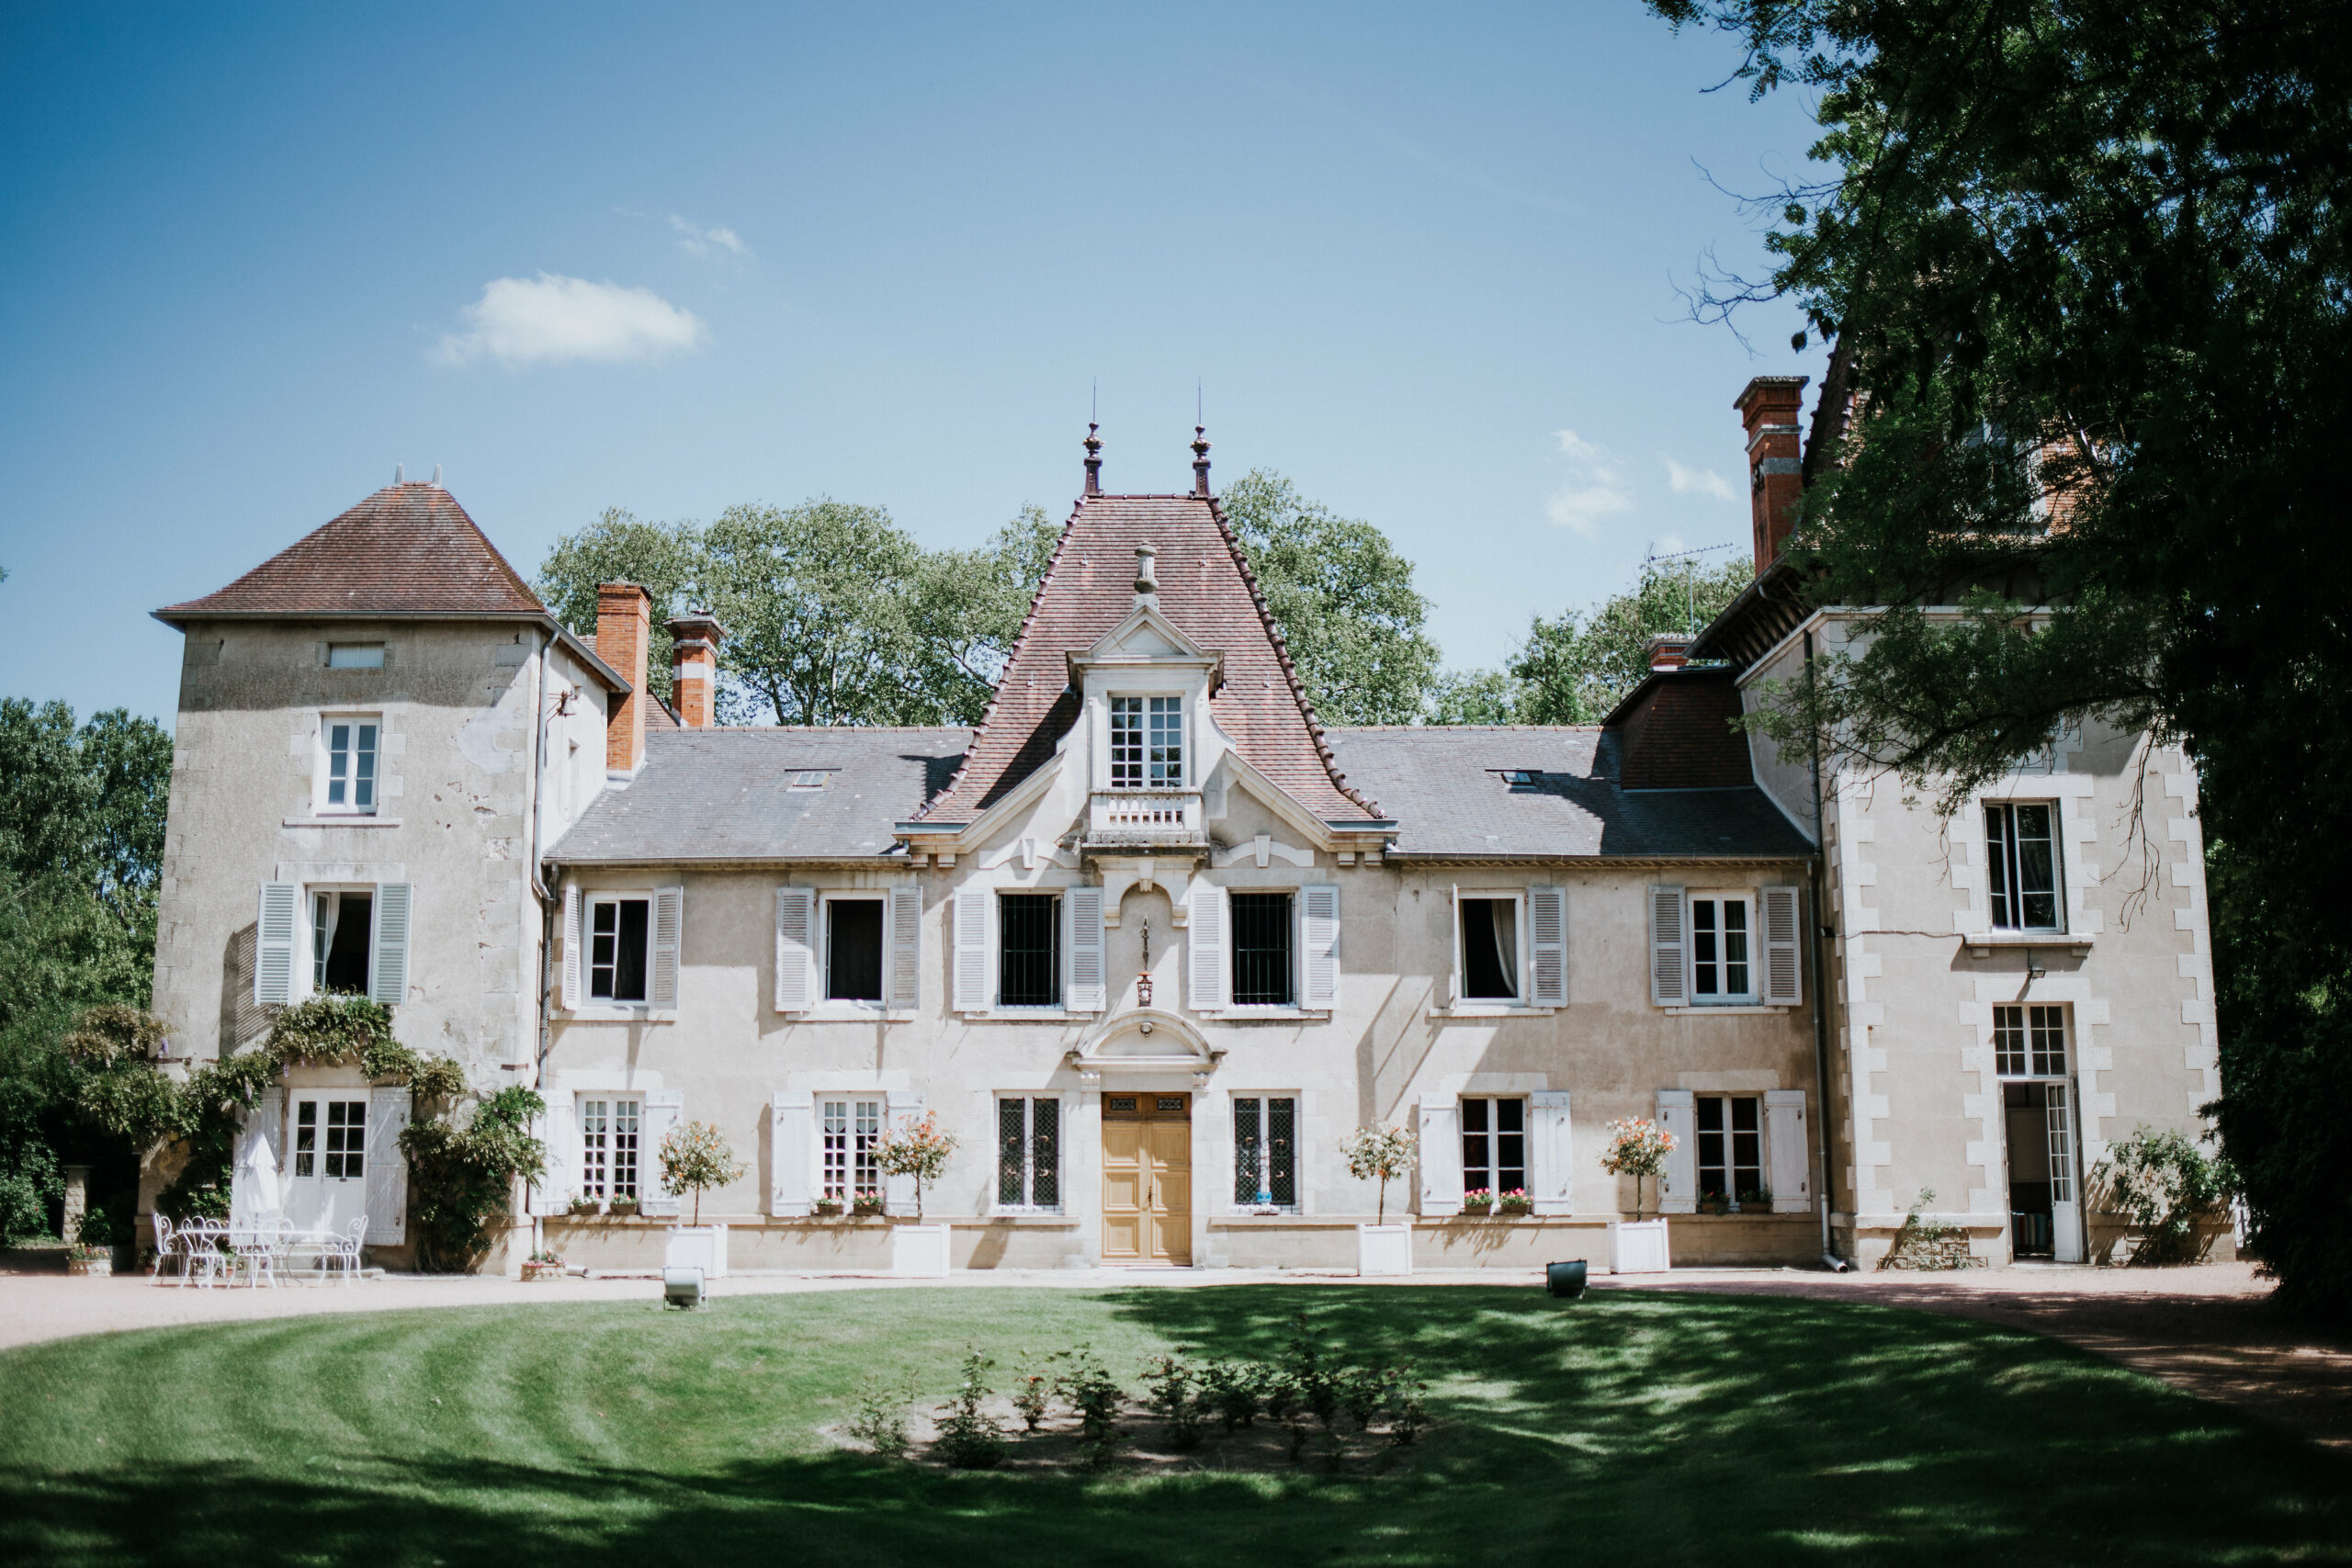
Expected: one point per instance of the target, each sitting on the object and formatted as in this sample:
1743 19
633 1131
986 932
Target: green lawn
1624 1428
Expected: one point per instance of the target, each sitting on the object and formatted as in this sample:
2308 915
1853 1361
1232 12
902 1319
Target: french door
327 1158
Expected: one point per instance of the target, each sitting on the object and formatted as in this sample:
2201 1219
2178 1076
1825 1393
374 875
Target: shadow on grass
1674 1428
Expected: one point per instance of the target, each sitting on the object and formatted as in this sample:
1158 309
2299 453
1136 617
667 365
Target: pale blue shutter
388 976
274 944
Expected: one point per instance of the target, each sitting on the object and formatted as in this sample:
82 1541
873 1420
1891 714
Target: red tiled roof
1207 591
408 549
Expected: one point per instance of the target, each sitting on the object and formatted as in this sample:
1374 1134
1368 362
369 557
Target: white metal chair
204 1262
346 1254
167 1254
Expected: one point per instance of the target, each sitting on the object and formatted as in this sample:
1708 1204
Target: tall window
347 782
1494 1145
853 950
851 1128
1721 966
1147 742
1490 950
1028 1152
1731 1146
1265 1151
608 1148
1261 965
342 927
2030 1041
617 935
2021 866
340 1153
1029 952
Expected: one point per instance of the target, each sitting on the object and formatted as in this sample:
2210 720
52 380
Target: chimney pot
694 667
1670 650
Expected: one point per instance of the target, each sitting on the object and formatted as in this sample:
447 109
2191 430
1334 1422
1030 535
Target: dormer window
1147 742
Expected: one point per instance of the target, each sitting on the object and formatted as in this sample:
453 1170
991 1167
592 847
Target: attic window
355 656
1522 778
809 778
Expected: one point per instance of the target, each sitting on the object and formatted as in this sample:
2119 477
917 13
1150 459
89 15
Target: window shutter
1677 1190
669 926
972 987
387 1166
571 960
906 946
1547 911
1453 975
274 944
1321 956
1440 1156
792 1146
1670 983
664 1109
561 1131
1551 1175
387 976
1783 972
265 1123
1089 990
1205 984
899 1191
1787 1150
795 919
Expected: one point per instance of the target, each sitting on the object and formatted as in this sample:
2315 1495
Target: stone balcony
1145 819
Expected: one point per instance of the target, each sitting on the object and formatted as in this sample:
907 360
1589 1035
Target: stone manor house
1151 941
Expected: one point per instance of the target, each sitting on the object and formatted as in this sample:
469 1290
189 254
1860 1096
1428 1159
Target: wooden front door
1148 1178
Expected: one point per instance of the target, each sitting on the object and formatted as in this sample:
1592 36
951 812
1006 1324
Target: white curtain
1506 943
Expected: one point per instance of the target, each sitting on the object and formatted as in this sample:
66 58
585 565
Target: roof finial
1147 578
1201 461
399 473
1093 460
437 473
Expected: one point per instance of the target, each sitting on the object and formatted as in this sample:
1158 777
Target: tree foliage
2085 270
1343 598
619 546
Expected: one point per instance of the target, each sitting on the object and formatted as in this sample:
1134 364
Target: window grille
1028 1172
1029 949
1261 950
1265 1151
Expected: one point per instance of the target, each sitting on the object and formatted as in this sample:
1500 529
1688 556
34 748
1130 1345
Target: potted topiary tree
1638 1147
1383 1154
695 1157
919 1149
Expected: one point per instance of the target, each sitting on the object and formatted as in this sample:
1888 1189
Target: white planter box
919 1252
1384 1249
1637 1246
697 1246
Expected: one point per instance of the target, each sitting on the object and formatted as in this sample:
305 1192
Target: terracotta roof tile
1207 591
408 549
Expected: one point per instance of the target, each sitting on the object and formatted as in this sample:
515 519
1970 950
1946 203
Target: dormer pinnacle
1201 461
1147 577
1093 460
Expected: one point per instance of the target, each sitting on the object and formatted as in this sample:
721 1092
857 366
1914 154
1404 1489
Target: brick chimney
694 668
1670 650
1775 460
624 629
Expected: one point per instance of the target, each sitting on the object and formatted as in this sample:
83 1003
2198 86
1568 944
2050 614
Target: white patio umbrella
256 1196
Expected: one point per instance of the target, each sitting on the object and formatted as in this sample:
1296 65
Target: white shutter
1089 990
387 1166
791 1152
265 1123
387 976
561 1131
1783 972
1677 1190
664 1109
1205 985
1670 982
669 927
972 988
906 946
274 944
1441 1154
1788 1153
796 957
1320 969
1547 910
571 962
1551 1178
899 1191
1453 975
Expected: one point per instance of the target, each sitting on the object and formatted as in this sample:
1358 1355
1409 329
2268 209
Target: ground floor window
608 1149
851 1128
331 1139
2030 1041
1731 1147
1494 1145
1028 1152
1265 1151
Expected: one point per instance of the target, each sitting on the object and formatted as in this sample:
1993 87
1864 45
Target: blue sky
1425 260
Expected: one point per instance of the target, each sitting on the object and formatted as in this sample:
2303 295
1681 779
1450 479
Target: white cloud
1703 481
697 240
1596 487
552 320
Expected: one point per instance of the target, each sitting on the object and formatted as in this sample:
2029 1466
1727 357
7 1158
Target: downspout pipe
539 892
1820 992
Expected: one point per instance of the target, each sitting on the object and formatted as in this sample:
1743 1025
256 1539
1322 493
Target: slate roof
408 549
1209 593
1445 787
726 794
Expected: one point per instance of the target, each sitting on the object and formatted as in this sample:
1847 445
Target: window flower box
586 1206
826 1209
1478 1200
1713 1203
1758 1201
869 1206
622 1207
1515 1201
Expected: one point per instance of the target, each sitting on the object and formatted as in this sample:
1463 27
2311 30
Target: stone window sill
1735 1010
1268 1015
1491 1010
1984 942
341 822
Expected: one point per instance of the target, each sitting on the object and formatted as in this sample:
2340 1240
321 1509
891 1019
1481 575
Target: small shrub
2168 1187
695 1157
1032 1394
1175 1398
880 1419
1366 1393
1234 1390
1309 1372
968 1439
1094 1398
1408 1417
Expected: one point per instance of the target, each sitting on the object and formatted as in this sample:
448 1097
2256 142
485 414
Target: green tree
1473 696
621 547
2086 267
969 605
1343 598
